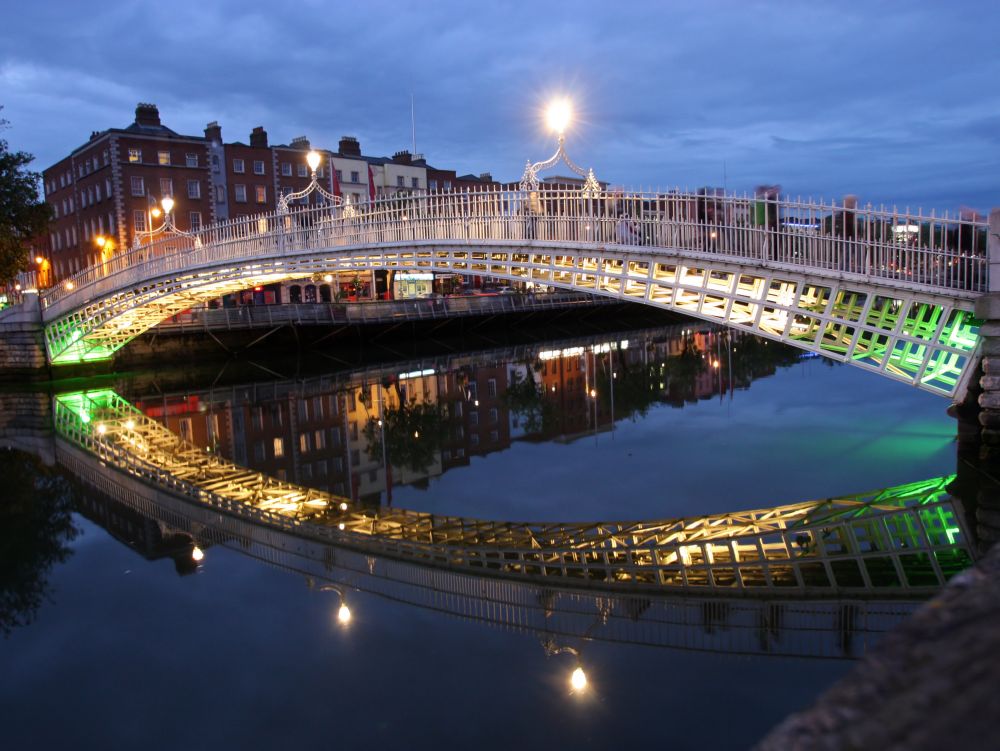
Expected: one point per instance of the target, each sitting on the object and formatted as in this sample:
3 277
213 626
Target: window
138 186
491 387
432 184
305 472
355 457
166 187
279 447
215 160
303 171
473 417
494 436
494 415
286 169
457 409
304 443
340 176
320 468
194 188
474 439
258 451
447 184
355 177
472 390
354 430
135 155
163 157
261 191
276 415
185 429
319 439
400 181
318 407
139 221
241 194
97 191
195 221
220 193
258 166
107 187
238 166
257 418
191 160
415 182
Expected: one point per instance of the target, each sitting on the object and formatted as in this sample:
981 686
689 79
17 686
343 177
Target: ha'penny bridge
890 292
898 542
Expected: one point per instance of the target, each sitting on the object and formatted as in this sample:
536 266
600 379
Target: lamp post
167 226
558 117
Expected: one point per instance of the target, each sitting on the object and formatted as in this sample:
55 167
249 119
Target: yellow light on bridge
168 204
69 285
578 680
344 614
558 115
328 278
39 260
343 506
312 159
155 212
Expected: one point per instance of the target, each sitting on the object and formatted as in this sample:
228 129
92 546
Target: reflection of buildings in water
314 433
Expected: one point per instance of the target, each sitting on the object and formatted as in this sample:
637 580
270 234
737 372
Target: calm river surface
123 651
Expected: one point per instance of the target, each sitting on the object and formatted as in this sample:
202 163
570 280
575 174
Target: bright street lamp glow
39 260
344 614
343 506
578 680
100 240
312 159
168 204
328 278
155 212
197 554
558 115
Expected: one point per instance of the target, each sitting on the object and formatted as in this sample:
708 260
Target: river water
117 637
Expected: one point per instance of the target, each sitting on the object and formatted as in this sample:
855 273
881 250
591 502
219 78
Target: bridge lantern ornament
558 117
313 159
167 227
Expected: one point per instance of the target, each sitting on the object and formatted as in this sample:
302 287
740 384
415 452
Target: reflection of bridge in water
908 540
158 523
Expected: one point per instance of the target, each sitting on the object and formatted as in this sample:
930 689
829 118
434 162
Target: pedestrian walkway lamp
558 117
313 159
166 228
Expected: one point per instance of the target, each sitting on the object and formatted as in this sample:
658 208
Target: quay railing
942 252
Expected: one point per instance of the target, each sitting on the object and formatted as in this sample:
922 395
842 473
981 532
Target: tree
23 215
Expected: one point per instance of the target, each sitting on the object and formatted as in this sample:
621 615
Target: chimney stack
402 157
300 142
213 132
147 114
258 137
349 146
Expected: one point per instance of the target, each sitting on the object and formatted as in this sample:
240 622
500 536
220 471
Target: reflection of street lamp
343 612
578 678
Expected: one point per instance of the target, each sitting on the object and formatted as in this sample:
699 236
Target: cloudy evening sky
894 101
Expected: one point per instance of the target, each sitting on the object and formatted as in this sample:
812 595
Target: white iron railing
940 252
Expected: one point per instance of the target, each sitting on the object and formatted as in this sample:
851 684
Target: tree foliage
23 215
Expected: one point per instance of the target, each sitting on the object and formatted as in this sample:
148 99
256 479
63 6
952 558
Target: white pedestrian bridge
887 291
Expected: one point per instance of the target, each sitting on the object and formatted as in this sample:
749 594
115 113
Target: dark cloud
875 98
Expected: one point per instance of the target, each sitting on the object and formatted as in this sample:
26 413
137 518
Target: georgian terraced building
107 192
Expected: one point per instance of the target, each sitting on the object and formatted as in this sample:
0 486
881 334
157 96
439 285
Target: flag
336 180
371 184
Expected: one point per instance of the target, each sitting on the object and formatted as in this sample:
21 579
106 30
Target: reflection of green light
952 532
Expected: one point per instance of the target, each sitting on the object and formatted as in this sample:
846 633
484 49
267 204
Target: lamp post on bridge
167 227
558 117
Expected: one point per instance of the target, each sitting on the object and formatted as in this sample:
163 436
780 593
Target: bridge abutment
22 340
988 310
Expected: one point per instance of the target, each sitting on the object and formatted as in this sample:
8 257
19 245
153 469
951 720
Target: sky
896 102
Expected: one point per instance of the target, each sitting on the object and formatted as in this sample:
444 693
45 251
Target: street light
558 116
313 159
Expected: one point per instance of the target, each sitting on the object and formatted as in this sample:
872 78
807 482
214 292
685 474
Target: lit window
279 447
163 157
319 438
138 186
258 167
135 155
194 188
304 444
241 193
261 191
238 166
191 160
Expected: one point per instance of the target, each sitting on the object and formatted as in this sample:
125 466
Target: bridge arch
902 312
